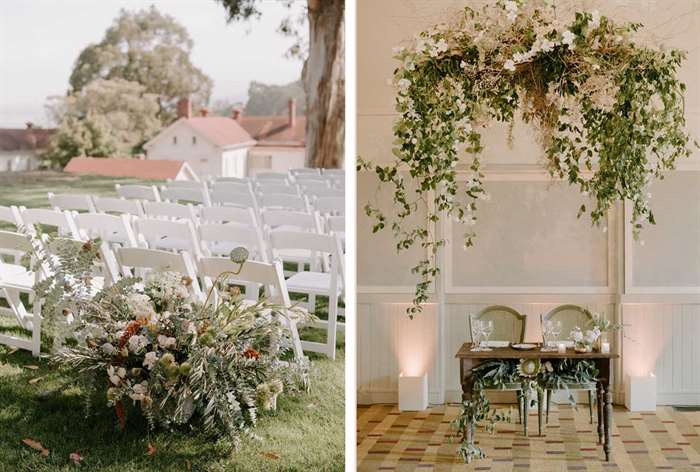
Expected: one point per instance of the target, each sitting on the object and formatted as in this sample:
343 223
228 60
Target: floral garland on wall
610 115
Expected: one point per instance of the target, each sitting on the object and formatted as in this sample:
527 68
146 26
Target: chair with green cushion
508 325
570 316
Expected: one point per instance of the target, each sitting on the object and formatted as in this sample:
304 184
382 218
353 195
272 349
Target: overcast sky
40 40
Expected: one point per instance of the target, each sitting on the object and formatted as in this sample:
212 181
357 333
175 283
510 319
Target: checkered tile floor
424 441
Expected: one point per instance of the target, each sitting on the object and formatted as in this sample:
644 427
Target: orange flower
251 353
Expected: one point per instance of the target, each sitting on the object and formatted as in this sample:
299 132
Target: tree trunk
324 80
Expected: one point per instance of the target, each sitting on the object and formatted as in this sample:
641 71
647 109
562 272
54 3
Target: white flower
108 349
595 22
509 65
463 65
136 343
441 46
166 342
568 38
150 360
404 84
576 335
113 375
511 10
397 50
139 391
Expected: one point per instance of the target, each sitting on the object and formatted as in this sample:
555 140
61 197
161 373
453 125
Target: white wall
17 161
262 159
531 253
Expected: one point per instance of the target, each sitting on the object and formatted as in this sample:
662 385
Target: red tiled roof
113 167
275 130
24 139
221 130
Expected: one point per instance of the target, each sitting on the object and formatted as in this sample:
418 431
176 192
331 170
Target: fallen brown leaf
75 457
37 446
151 449
31 367
271 455
36 380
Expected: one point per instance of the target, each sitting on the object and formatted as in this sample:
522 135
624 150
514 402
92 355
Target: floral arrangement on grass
150 347
610 115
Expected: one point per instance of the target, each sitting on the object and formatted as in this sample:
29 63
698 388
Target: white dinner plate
524 347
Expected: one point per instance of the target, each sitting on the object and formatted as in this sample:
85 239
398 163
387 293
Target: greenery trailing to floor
609 110
475 411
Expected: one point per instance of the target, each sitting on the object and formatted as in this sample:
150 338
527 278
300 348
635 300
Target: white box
640 393
413 392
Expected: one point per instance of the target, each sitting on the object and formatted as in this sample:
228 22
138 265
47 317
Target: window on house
174 140
194 140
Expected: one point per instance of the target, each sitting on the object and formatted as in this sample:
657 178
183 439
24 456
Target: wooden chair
570 317
254 274
508 326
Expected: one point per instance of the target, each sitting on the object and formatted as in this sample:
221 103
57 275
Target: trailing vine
610 115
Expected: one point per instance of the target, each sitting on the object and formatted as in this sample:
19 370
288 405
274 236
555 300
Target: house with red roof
20 147
235 146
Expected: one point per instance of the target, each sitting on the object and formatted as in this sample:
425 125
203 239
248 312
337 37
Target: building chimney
184 108
236 114
204 112
292 112
29 124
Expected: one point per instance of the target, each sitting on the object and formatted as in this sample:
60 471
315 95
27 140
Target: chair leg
519 395
36 329
590 404
332 325
549 402
540 411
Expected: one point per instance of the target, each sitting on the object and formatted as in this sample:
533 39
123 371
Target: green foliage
609 111
475 411
106 118
266 99
149 48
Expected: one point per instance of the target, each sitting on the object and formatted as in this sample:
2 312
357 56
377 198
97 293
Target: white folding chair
198 195
276 189
61 220
130 262
11 219
118 205
232 187
237 180
14 281
311 179
330 205
227 198
183 184
289 202
271 176
254 274
113 229
228 214
324 193
139 192
71 202
303 171
169 210
219 239
167 235
335 173
316 281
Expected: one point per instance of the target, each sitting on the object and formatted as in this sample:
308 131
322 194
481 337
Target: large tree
150 48
324 76
264 99
106 118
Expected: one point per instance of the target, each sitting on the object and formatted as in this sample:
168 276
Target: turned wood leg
601 402
519 394
526 407
549 402
607 447
590 404
540 410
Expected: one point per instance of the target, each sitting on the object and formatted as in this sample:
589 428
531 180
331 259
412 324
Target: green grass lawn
305 434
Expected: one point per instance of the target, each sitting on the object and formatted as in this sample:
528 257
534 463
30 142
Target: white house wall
653 288
17 161
270 159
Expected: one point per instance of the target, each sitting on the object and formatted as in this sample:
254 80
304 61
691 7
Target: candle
605 348
561 348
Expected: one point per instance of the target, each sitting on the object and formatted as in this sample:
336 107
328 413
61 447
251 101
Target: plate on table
524 347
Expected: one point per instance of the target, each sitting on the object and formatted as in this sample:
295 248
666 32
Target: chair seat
16 277
316 283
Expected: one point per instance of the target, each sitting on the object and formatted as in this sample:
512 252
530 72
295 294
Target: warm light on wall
414 345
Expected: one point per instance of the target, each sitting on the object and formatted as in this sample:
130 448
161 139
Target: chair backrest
310 186
227 214
140 192
314 243
232 187
61 220
330 205
335 224
570 317
271 176
508 324
219 239
239 199
304 221
238 180
272 188
110 228
266 274
10 215
289 202
336 173
186 194
183 184
156 261
303 171
327 192
118 205
169 210
12 241
168 235
71 201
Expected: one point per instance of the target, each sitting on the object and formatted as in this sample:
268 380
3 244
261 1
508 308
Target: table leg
526 407
601 404
607 447
540 411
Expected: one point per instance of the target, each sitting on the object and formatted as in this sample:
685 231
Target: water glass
487 330
476 335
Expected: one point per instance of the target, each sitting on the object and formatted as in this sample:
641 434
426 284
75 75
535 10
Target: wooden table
469 359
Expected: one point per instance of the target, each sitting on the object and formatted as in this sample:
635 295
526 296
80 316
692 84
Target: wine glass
487 330
556 329
476 335
547 335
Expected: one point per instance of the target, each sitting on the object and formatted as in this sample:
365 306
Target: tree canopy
149 48
266 99
106 118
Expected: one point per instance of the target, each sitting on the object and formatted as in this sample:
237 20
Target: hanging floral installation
609 114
